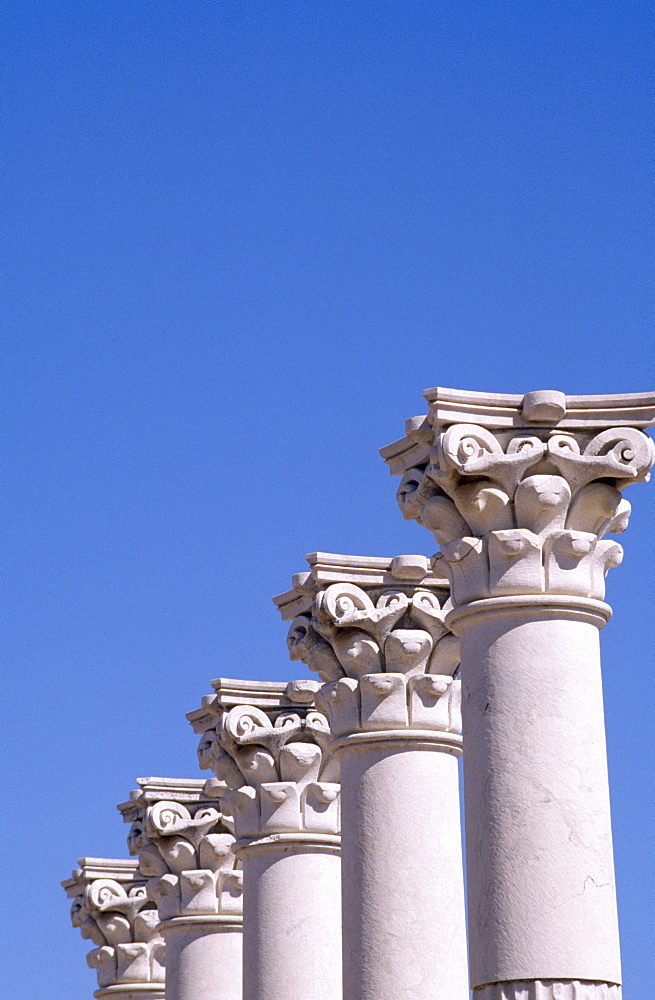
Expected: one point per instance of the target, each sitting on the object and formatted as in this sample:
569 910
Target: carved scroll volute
516 513
81 918
114 909
264 762
621 454
273 760
171 819
382 640
474 451
124 926
184 853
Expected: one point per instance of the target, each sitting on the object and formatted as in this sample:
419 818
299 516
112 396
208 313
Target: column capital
520 491
374 630
111 909
548 989
267 746
184 850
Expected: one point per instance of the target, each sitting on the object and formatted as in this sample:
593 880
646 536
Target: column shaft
520 493
403 894
539 847
291 921
203 960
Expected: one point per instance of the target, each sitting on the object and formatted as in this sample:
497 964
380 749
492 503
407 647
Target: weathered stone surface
279 787
374 631
111 909
185 852
184 848
542 989
377 638
520 494
272 770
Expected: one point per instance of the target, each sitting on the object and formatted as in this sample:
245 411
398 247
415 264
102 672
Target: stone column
111 909
185 852
520 493
373 630
275 780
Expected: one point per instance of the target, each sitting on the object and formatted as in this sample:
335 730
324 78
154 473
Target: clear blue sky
240 239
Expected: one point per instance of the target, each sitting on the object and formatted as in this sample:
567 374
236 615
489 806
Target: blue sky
240 238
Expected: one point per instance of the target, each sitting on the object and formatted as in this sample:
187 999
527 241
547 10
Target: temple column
280 788
374 631
519 493
186 853
111 909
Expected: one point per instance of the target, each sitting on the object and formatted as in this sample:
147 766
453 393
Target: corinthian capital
266 744
184 849
520 491
373 629
111 909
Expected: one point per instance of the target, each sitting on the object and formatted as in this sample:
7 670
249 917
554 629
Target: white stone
540 871
542 989
186 852
280 789
519 493
374 631
292 918
111 909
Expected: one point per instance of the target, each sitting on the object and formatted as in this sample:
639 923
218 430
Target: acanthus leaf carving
498 502
475 451
133 963
119 918
548 989
383 638
179 840
274 755
324 661
215 852
103 960
179 854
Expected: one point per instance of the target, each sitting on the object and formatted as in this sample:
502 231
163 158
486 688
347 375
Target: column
275 780
111 909
520 492
373 630
185 853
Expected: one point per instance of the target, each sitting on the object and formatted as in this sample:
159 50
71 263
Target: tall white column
280 788
186 853
519 493
292 918
374 631
111 909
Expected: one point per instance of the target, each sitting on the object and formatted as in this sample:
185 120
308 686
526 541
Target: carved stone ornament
273 775
184 849
111 909
521 491
374 632
548 989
